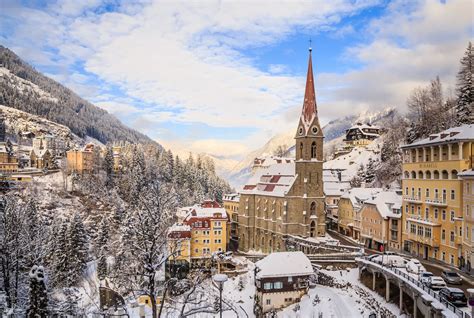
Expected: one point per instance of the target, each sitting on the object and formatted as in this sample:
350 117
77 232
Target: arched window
312 208
420 174
413 175
407 175
428 174
313 150
312 229
454 174
436 174
445 174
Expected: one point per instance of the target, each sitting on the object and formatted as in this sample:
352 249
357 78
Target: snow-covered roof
198 211
363 126
234 197
3 147
178 227
275 180
284 264
464 132
466 174
332 185
386 202
359 195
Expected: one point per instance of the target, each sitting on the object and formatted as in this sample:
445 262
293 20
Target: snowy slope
18 122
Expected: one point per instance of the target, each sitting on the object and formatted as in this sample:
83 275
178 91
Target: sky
222 77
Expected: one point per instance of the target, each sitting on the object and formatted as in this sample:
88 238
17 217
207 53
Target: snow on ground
349 298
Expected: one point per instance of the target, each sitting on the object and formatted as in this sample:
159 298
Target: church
287 199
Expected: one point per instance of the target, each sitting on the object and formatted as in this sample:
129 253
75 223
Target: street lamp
220 279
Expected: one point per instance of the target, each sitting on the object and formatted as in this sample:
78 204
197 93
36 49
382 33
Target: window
406 191
436 193
453 195
313 150
217 241
443 215
427 213
443 236
290 279
419 193
467 232
267 286
451 236
277 285
427 193
196 250
443 256
268 301
412 209
413 228
452 216
428 232
436 214
451 259
419 210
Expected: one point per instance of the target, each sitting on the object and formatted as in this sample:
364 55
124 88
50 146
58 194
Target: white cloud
185 58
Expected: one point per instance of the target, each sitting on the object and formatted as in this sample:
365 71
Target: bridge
413 297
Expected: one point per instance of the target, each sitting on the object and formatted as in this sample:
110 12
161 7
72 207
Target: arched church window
312 208
301 149
313 150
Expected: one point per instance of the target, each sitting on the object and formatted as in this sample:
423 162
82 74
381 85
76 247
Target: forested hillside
24 88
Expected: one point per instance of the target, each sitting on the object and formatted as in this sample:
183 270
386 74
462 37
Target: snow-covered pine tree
102 249
109 167
465 89
38 302
59 254
77 242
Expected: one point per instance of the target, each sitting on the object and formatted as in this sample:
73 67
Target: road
436 269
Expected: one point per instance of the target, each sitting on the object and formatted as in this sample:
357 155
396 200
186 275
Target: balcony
431 241
412 199
437 202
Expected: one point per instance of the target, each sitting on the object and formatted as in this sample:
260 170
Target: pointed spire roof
309 104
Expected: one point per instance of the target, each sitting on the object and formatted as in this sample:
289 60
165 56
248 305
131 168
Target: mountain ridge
24 88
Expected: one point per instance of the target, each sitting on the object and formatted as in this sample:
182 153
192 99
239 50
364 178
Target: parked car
425 276
436 283
414 266
453 295
451 277
390 260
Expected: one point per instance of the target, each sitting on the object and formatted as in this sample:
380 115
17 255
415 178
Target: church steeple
309 105
309 137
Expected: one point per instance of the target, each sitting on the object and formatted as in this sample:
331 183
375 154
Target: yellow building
205 228
349 207
432 218
231 206
8 161
81 160
380 221
468 204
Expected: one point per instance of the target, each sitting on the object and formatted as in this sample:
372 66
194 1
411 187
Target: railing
413 199
439 202
426 289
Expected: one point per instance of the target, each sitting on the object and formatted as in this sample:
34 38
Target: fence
426 289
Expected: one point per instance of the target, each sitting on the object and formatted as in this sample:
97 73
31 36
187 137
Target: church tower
309 159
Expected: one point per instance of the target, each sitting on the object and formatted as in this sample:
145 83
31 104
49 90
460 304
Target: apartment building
432 217
350 204
467 178
231 206
380 221
205 228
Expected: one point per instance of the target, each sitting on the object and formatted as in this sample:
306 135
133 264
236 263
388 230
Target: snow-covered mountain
334 133
24 88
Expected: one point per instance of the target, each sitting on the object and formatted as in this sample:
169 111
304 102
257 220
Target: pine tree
465 89
102 249
38 305
77 250
109 167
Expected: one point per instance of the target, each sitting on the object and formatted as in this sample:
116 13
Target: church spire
309 104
